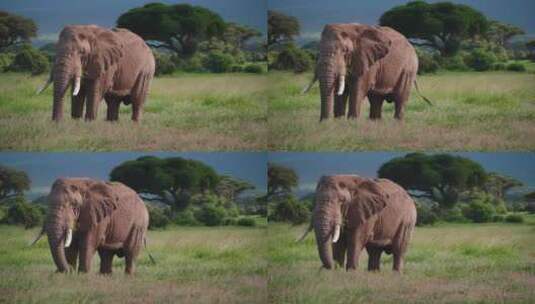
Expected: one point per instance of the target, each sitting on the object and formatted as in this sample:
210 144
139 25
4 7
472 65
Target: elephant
377 62
352 213
115 65
86 216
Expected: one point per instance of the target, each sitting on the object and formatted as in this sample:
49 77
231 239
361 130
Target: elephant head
346 49
83 51
65 201
342 200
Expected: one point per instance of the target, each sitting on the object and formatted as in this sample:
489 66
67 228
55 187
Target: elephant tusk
342 85
307 88
38 237
68 238
305 234
336 234
76 86
44 86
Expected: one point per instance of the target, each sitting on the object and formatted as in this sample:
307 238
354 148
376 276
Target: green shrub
290 210
479 212
293 58
516 67
425 215
514 218
5 61
236 68
500 66
29 59
454 63
24 213
427 63
230 221
247 221
164 64
255 68
185 218
498 218
218 62
211 215
530 207
454 214
480 60
157 218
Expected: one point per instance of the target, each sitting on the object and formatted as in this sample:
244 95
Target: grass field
471 111
447 263
183 113
194 265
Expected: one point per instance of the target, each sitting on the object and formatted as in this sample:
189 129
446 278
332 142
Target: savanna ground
486 111
183 112
193 265
446 263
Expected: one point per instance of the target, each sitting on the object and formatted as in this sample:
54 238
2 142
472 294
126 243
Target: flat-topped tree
15 30
13 182
441 26
178 28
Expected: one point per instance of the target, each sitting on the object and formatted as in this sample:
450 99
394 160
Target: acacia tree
439 177
281 180
15 29
281 27
171 181
178 28
500 33
13 182
441 26
230 187
498 184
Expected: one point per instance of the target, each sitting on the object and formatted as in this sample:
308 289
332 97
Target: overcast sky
311 166
45 168
52 15
314 14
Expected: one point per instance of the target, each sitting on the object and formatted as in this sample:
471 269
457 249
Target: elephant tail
150 255
420 93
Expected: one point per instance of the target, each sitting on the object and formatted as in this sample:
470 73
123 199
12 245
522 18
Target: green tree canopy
281 27
439 177
15 29
238 35
170 180
13 182
178 28
441 26
230 187
497 184
281 180
500 33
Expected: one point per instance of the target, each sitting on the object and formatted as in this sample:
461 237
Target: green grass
194 265
447 263
472 112
182 113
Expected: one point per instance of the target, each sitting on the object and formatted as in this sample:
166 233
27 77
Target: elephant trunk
327 224
59 236
66 70
326 79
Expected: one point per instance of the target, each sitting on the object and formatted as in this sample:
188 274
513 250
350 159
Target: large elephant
115 65
353 213
86 216
376 62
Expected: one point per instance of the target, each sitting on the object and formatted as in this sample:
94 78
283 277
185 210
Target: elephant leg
354 249
374 259
86 253
340 103
77 103
376 105
106 261
139 94
339 250
357 93
94 97
402 97
112 113
129 267
398 262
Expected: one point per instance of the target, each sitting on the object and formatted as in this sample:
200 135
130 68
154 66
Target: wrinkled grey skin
375 214
374 62
115 65
104 217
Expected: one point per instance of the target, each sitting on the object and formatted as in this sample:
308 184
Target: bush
218 62
293 58
230 221
290 210
255 68
236 68
157 218
29 59
247 221
426 63
480 60
514 218
454 63
516 67
185 218
211 215
498 218
24 213
5 61
479 212
454 214
164 64
500 66
425 215
530 207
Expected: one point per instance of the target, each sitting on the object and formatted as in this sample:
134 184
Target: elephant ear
100 203
372 45
368 200
106 52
